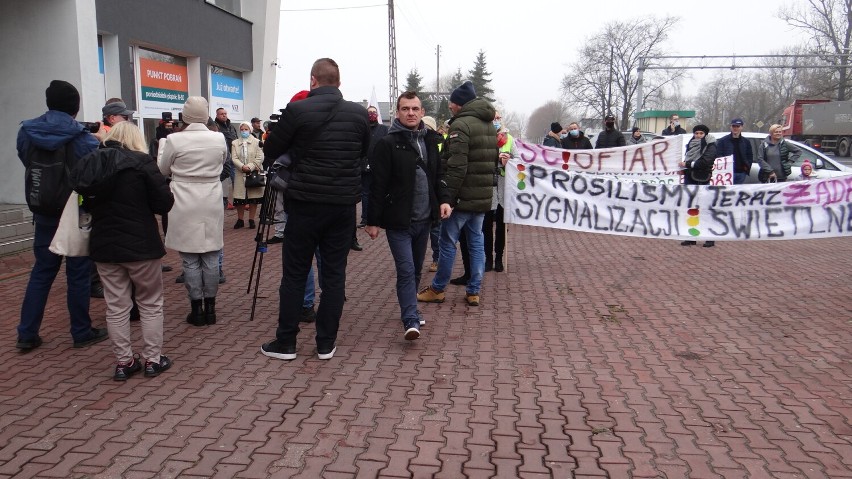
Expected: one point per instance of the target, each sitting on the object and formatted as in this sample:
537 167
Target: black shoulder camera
92 126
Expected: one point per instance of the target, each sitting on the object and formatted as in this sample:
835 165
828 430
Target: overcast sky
527 45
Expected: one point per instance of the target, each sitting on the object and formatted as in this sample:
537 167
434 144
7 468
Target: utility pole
438 71
392 55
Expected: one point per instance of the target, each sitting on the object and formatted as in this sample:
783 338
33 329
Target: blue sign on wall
226 87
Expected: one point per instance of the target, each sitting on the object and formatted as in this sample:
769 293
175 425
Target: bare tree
829 24
539 121
760 96
605 78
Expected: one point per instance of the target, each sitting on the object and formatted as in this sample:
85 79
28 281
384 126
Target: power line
333 8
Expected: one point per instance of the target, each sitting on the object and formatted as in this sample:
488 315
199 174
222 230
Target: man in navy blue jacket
735 144
53 131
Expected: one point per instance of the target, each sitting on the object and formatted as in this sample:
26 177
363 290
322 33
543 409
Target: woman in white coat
247 157
193 158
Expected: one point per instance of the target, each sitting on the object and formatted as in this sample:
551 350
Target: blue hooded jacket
52 131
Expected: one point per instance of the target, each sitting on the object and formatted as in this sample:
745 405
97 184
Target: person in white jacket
193 158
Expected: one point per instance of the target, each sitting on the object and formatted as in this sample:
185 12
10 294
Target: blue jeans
740 177
408 248
77 273
310 285
434 240
451 228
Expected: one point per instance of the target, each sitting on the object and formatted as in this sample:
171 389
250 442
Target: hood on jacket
397 126
52 130
478 108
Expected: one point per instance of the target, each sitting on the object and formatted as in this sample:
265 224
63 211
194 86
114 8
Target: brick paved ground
593 356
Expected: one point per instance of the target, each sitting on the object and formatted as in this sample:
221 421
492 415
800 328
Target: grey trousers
201 274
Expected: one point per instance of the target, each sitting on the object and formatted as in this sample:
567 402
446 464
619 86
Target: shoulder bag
72 234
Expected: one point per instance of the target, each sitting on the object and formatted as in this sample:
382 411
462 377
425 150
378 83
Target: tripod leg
262 232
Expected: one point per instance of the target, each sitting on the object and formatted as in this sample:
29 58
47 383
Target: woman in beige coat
247 157
194 158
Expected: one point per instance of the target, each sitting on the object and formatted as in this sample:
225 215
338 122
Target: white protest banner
654 162
658 156
539 194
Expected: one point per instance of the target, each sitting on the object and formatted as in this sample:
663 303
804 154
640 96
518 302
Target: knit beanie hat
430 123
555 127
62 96
463 93
701 128
195 110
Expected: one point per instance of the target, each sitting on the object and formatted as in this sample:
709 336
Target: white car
824 167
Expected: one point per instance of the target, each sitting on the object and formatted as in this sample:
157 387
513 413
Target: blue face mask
574 132
563 135
244 134
497 125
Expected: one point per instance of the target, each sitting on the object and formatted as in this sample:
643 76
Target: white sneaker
327 355
411 334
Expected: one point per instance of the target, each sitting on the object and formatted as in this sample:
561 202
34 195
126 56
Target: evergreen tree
480 77
414 82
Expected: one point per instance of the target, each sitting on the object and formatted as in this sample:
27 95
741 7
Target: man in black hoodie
610 137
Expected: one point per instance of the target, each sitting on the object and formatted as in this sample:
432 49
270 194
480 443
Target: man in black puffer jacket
468 182
326 138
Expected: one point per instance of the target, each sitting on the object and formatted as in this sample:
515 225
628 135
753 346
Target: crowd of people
417 181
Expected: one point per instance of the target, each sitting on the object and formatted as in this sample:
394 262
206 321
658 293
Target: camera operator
115 111
165 128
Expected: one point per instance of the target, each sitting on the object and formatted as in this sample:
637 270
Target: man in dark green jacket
471 154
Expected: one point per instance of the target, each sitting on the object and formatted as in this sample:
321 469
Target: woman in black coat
123 189
698 163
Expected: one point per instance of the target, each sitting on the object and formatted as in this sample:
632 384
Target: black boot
210 310
489 264
196 316
498 264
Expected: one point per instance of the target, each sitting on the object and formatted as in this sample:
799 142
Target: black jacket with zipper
123 190
393 166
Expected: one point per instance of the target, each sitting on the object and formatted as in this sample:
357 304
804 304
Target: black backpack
46 186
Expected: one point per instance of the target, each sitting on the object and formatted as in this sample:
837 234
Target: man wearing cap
467 181
256 130
734 144
115 111
56 130
609 137
554 136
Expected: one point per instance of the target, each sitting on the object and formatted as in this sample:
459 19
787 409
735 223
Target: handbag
255 179
72 234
